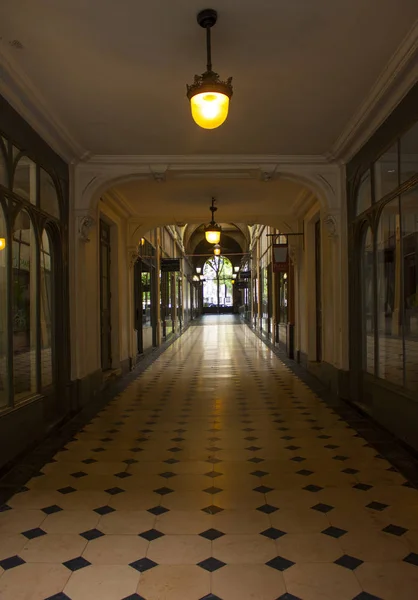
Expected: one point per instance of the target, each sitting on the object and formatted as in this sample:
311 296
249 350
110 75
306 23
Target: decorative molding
84 226
133 256
331 225
397 78
185 161
21 93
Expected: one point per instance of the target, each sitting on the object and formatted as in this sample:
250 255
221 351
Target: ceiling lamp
213 230
217 250
236 269
198 270
209 97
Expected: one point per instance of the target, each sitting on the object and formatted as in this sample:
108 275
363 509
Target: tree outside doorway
217 285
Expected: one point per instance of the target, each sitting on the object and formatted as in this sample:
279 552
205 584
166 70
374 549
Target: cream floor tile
34 499
248 582
33 581
309 548
174 582
11 545
53 548
299 520
124 521
321 581
241 521
85 500
104 582
20 520
186 500
135 500
389 580
70 521
116 549
244 549
184 522
374 546
179 550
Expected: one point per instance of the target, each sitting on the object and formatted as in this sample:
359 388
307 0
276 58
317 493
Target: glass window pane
409 205
409 153
364 194
24 179
3 312
386 173
46 312
24 307
48 194
367 296
389 307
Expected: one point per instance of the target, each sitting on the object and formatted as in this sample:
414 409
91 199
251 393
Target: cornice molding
21 93
224 161
397 78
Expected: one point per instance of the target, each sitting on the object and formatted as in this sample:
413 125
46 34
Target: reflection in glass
24 179
46 312
409 209
389 306
409 153
48 194
3 167
367 308
24 307
386 173
283 297
3 313
364 194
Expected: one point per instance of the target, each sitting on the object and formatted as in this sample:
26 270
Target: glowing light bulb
209 109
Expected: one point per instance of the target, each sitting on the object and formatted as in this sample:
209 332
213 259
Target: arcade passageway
216 474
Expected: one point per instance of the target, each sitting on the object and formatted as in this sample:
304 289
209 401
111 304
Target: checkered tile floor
216 475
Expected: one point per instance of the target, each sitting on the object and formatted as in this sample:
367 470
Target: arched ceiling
112 75
188 200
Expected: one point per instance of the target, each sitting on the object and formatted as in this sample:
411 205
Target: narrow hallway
216 474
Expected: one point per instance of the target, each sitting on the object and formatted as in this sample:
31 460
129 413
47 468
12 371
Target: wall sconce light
234 275
285 276
2 243
209 96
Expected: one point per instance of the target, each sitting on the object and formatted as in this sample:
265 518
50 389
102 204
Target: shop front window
364 195
24 179
409 211
4 249
389 301
46 311
48 194
24 307
367 283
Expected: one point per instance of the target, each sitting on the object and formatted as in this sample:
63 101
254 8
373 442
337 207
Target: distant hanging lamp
217 250
213 230
209 96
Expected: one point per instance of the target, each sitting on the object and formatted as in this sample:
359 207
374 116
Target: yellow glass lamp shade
209 109
2 243
217 250
213 235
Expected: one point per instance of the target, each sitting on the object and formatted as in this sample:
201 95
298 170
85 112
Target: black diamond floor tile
168 474
104 510
172 461
211 534
60 596
34 533
279 563
210 597
49 510
256 460
324 508
213 474
212 510
11 562
334 532
158 510
263 489
134 597
304 472
92 534
349 562
412 559
366 596
163 491
151 535
268 509
143 564
377 506
313 488
288 596
114 491
75 564
259 473
79 474
211 564
213 490
273 533
364 487
395 530
66 490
